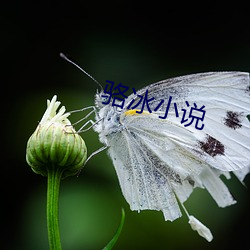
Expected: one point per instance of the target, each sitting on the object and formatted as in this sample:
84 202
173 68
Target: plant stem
54 177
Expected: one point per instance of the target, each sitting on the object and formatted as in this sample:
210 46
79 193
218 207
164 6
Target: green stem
54 177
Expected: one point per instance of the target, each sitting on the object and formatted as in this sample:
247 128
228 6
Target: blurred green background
122 41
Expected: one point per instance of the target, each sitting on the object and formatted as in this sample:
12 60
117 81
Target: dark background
135 43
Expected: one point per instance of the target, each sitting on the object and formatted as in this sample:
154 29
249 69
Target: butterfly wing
153 167
141 184
225 139
159 159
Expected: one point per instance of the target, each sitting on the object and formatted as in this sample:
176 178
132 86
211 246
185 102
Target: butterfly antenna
68 60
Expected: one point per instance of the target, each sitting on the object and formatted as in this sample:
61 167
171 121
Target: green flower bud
55 144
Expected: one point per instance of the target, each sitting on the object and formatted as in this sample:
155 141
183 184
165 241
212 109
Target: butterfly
159 162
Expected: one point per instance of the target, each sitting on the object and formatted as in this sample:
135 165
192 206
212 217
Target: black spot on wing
248 89
191 181
212 146
233 120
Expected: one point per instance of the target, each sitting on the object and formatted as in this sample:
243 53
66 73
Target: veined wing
224 142
153 166
196 87
141 184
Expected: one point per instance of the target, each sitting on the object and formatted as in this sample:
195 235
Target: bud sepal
55 143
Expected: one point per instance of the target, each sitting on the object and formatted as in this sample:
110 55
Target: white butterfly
159 162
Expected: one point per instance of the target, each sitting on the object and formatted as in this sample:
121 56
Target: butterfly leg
82 128
91 155
96 152
86 116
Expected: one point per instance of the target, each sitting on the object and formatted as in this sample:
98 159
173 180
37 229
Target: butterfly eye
104 99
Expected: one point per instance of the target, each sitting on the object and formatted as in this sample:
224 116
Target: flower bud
55 144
